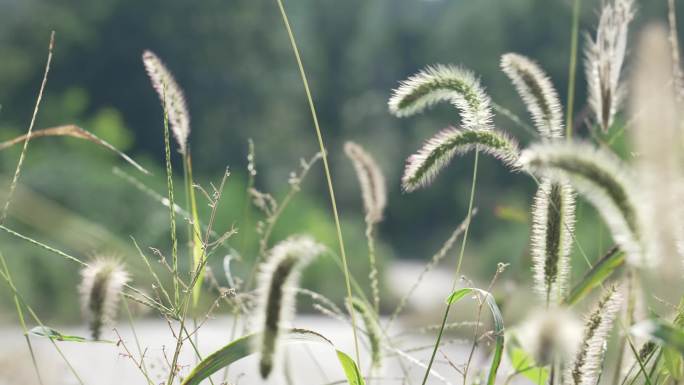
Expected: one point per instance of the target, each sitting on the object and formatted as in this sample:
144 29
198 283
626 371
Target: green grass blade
241 348
48 332
198 254
613 259
498 326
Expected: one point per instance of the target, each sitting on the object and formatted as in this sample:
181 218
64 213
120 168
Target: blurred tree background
235 64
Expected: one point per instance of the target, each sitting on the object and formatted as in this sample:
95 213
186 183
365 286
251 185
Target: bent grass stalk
325 167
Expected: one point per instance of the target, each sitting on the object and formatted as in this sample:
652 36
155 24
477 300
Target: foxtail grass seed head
537 92
278 277
656 139
372 330
552 333
102 283
603 61
171 96
588 360
603 179
444 83
423 166
553 222
371 179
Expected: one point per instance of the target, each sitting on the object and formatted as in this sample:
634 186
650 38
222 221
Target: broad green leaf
498 326
240 348
662 332
524 364
613 259
44 331
672 361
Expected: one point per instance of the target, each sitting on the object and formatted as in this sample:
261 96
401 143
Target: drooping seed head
603 179
102 283
656 139
171 96
603 61
371 179
551 333
437 152
588 360
537 92
553 222
442 83
278 277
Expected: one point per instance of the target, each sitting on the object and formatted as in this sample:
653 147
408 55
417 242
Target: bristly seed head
551 333
278 277
589 358
372 330
553 215
371 179
604 180
437 152
604 58
102 283
441 83
171 96
537 91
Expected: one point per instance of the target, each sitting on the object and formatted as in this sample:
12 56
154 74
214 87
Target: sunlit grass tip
371 179
553 221
423 166
603 179
586 366
102 283
537 92
604 57
278 277
171 96
444 83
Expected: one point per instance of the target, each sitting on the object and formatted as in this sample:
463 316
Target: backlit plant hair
537 92
437 152
102 283
371 179
553 220
588 360
278 277
444 83
372 330
603 179
603 61
171 96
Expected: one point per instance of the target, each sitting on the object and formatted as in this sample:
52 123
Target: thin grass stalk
22 156
572 68
458 268
22 321
143 367
678 77
326 168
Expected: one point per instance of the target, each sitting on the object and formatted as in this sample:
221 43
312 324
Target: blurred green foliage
235 64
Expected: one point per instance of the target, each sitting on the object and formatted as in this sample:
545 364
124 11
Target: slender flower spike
603 179
278 277
372 181
537 91
171 96
553 215
372 330
101 287
437 152
604 57
589 358
441 83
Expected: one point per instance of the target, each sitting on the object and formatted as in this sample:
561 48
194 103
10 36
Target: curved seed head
437 152
442 83
371 179
102 283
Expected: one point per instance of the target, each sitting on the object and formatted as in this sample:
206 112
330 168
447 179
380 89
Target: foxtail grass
444 83
102 283
278 278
